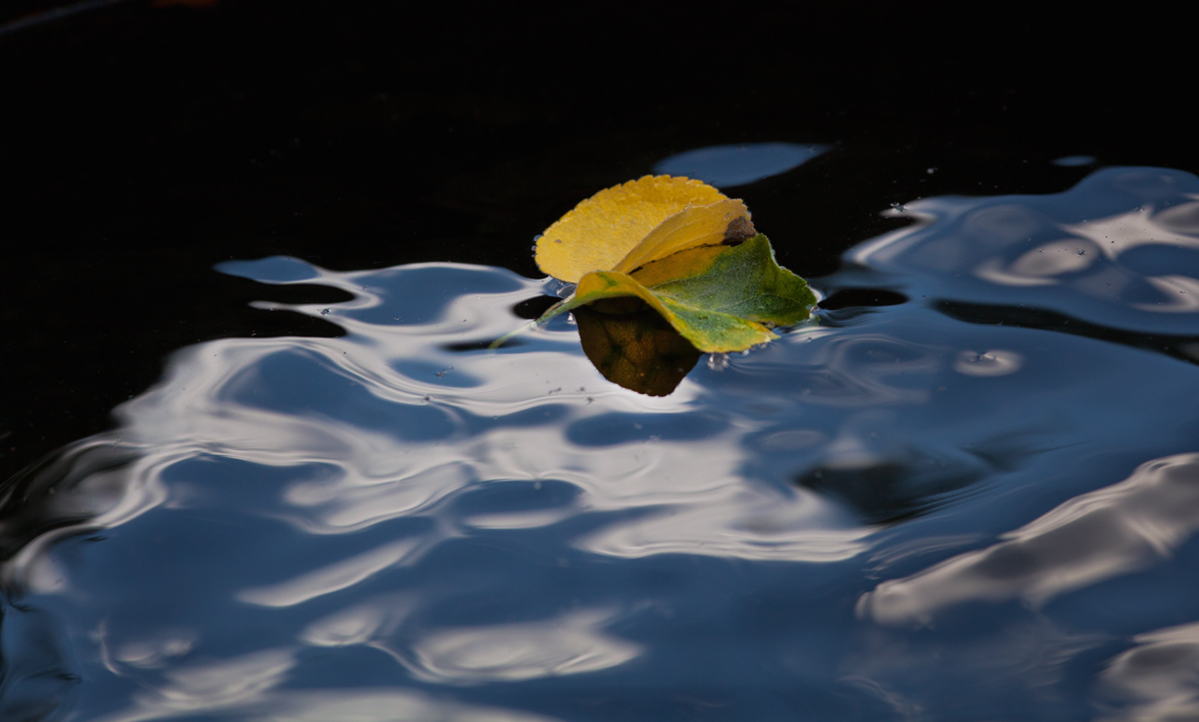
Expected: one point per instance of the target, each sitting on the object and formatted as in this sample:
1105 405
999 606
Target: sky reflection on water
726 166
1091 538
858 521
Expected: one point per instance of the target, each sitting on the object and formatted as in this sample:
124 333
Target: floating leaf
602 230
684 250
693 227
720 298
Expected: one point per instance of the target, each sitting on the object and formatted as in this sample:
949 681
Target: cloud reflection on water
570 644
580 430
1092 537
1078 252
1158 676
222 686
334 578
252 687
400 514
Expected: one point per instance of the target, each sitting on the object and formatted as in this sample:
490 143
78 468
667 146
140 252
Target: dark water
968 492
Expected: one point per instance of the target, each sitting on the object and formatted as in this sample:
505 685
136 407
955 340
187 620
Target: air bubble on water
718 361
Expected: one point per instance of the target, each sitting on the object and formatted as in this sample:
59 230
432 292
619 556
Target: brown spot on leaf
740 229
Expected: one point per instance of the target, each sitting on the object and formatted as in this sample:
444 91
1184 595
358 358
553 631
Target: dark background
144 142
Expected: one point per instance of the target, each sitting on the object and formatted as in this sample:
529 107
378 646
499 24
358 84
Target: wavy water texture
1120 249
972 501
1091 538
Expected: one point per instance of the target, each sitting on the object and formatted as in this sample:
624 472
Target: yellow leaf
690 228
684 264
685 251
604 229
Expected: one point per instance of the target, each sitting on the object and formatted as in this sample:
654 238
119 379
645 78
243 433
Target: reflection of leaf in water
681 247
633 346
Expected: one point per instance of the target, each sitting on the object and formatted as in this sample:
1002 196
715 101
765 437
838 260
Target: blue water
727 166
968 492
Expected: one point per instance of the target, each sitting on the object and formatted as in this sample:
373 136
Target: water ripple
941 489
1080 252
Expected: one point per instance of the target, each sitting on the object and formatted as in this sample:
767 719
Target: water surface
968 493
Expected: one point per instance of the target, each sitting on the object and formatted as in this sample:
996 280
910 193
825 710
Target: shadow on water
977 472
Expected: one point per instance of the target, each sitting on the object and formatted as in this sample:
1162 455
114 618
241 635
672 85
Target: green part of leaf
720 298
746 282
